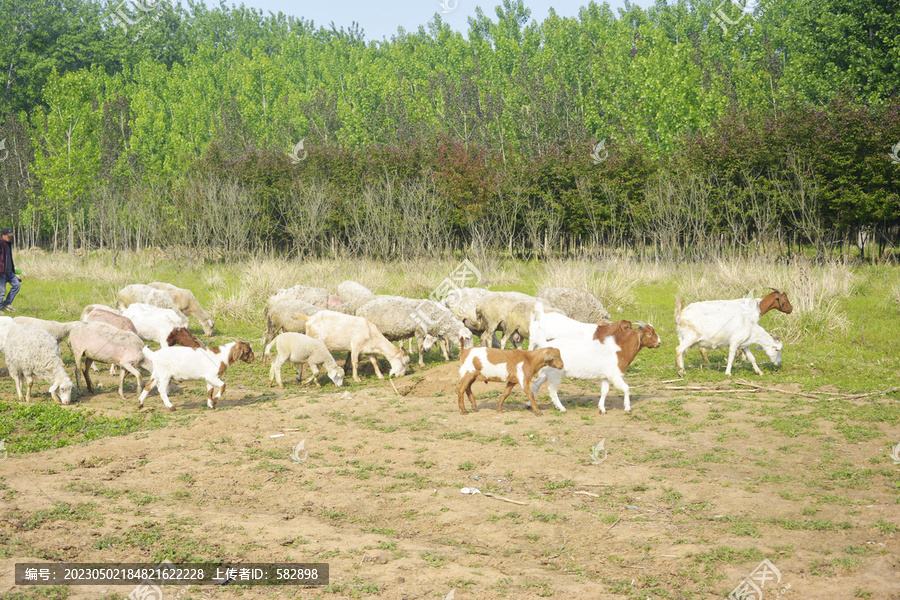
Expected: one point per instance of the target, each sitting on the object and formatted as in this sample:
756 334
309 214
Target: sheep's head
337 376
62 391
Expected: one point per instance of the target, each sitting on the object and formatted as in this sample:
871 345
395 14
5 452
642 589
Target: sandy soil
680 508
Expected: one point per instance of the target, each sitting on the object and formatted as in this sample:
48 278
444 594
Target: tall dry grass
239 290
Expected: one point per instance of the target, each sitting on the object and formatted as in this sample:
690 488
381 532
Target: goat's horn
776 290
640 324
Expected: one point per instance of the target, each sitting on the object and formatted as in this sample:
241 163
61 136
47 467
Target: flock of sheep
569 334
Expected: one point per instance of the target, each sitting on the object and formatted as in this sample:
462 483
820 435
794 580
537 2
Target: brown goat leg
509 388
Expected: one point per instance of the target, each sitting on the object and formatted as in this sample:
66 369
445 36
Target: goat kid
508 366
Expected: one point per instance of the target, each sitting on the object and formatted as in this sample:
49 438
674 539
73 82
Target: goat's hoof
171 409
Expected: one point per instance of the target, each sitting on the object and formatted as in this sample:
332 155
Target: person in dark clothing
8 273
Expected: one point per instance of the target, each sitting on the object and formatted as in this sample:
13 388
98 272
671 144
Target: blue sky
381 19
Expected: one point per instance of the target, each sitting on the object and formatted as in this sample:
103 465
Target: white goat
710 326
152 323
187 303
605 359
180 363
297 349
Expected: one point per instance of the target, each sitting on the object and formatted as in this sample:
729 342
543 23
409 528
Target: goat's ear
626 325
776 338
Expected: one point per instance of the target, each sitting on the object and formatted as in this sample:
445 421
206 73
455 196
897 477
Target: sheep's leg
732 350
137 375
509 388
86 371
752 360
445 348
299 377
505 338
78 372
487 338
17 378
315 375
465 387
275 370
554 377
29 383
112 369
420 343
604 390
619 381
374 360
163 387
679 356
354 361
150 385
705 354
526 387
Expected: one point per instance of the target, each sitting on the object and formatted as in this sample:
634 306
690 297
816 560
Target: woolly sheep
578 305
493 311
91 307
297 349
60 331
283 317
315 296
399 318
5 322
32 353
139 293
353 295
187 303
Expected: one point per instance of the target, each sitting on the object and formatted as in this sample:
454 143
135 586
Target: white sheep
315 296
32 353
353 295
578 305
494 312
5 323
152 323
60 331
180 363
398 319
357 335
297 349
107 343
187 303
139 293
282 316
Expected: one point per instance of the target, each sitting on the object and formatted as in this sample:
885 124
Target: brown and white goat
606 358
509 366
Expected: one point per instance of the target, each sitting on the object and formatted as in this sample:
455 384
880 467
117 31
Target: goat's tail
148 353
268 348
679 305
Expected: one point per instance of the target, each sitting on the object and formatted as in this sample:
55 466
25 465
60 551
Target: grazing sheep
354 295
180 363
580 306
111 317
315 296
438 322
152 323
282 316
144 294
357 335
60 331
297 349
508 366
399 319
462 302
105 343
32 353
493 311
604 357
187 303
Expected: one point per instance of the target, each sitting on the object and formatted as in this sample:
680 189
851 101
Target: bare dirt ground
696 489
